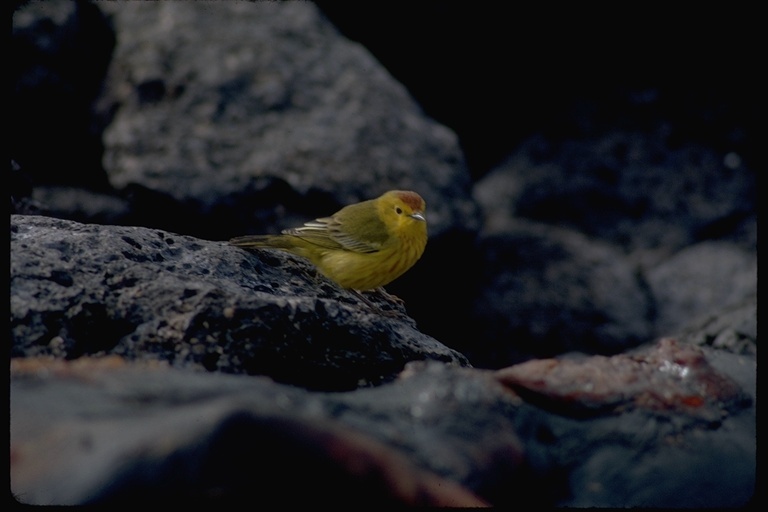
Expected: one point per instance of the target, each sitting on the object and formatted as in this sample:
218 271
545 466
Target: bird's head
403 210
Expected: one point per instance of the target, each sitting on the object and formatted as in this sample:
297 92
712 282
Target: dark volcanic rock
81 289
669 425
60 51
701 280
274 120
634 238
733 329
496 75
633 189
239 118
225 119
104 431
544 291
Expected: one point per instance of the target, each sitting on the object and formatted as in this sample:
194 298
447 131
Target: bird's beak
418 216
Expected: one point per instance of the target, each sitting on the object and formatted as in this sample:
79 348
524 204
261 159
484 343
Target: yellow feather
363 246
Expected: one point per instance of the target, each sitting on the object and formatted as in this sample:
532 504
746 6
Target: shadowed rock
107 430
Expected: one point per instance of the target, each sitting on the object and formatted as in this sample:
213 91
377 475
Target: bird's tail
262 241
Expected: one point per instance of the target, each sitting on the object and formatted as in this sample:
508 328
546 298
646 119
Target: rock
678 222
701 280
669 425
119 432
498 82
624 187
297 122
162 367
544 291
79 289
734 329
81 205
275 120
670 377
279 118
60 51
666 426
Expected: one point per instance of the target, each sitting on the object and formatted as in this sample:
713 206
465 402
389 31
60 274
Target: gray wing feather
326 232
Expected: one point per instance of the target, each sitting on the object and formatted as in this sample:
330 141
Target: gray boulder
699 281
79 289
259 115
545 290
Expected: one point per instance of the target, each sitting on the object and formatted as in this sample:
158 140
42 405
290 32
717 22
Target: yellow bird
363 246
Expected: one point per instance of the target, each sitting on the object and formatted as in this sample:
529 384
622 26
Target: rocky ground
581 330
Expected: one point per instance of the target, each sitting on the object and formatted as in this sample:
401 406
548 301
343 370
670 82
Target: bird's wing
330 233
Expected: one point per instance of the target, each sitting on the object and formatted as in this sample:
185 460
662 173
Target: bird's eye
398 210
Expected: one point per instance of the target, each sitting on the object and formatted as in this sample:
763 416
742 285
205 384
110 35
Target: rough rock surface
81 289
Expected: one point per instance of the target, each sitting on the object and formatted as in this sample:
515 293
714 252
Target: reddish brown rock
668 377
